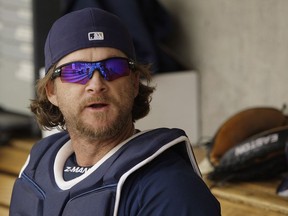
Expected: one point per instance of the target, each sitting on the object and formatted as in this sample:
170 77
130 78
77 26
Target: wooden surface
4 211
241 199
12 158
260 195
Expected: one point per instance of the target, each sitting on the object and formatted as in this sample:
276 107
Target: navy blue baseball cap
89 27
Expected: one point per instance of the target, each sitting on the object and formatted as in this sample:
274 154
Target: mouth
97 105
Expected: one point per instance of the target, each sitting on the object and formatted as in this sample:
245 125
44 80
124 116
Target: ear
51 92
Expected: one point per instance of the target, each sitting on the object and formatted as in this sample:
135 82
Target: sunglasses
81 72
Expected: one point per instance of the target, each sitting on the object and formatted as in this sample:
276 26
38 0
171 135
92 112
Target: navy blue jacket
154 173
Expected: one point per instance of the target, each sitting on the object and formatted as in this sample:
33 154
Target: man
100 164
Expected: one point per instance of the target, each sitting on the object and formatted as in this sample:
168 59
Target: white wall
239 48
175 104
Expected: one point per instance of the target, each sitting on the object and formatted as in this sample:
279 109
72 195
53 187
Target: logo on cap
95 36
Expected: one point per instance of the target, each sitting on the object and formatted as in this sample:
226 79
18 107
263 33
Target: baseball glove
249 146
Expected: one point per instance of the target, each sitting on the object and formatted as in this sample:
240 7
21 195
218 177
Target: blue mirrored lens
80 72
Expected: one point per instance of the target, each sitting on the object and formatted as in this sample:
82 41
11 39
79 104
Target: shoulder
48 141
169 186
52 142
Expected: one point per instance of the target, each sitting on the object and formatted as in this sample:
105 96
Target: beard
110 128
103 132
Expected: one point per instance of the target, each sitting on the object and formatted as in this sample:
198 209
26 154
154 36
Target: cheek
123 93
129 93
68 107
67 100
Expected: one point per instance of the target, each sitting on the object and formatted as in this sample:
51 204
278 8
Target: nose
97 83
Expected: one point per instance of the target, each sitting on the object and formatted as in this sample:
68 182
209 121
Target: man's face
100 109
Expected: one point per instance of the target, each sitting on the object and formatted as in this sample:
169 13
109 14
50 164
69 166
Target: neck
89 151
